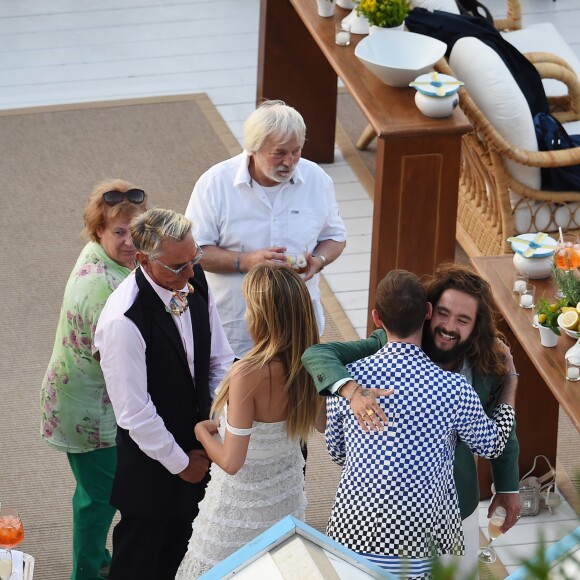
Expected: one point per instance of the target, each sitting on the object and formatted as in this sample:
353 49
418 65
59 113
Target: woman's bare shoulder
245 378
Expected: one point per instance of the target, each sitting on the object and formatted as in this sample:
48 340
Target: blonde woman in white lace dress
267 405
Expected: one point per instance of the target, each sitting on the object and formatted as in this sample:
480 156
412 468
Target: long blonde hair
282 324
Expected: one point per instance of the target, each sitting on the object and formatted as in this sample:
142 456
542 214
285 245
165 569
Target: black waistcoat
142 485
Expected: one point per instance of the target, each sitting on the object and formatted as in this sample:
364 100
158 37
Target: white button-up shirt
228 212
122 351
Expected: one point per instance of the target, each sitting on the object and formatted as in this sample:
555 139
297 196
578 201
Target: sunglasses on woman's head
133 195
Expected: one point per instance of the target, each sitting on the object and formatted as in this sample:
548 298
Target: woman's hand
209 426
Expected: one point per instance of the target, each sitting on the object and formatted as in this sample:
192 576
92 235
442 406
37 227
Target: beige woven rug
50 159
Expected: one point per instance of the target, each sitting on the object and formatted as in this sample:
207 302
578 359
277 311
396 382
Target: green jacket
326 364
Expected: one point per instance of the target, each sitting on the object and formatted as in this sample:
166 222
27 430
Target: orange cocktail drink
567 254
11 531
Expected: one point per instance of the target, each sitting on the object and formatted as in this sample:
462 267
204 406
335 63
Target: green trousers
94 472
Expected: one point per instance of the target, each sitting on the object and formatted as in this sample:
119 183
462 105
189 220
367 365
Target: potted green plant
384 13
568 283
548 313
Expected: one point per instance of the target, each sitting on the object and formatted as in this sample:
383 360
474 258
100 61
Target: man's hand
363 403
197 468
511 503
271 256
509 359
510 383
314 265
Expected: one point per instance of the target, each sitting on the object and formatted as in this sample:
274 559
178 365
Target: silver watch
323 261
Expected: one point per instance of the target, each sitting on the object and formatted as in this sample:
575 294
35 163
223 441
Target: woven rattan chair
486 207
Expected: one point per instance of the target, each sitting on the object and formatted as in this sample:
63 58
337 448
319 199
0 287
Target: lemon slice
569 320
577 307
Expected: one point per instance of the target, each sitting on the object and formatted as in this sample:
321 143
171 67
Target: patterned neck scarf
178 303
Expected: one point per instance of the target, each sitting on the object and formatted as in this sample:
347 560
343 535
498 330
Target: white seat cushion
497 94
545 38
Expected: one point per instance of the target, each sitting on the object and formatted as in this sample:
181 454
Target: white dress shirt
122 351
228 211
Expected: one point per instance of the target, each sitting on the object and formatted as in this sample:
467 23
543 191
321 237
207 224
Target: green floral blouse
77 415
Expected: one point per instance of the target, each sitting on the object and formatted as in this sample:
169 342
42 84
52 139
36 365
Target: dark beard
439 356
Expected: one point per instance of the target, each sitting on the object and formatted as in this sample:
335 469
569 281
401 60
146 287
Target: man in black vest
163 352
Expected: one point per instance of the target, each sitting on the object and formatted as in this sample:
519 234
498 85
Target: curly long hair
483 351
282 324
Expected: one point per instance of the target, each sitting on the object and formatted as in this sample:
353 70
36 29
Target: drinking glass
296 258
11 534
496 521
520 283
527 298
573 368
567 256
342 34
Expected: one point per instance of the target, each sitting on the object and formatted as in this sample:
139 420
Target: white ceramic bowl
570 333
398 57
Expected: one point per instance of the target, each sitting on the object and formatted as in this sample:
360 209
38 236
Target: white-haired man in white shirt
260 205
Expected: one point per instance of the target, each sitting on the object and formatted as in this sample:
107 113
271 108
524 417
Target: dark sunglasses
133 195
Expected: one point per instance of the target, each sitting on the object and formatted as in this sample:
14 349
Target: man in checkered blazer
461 336
396 502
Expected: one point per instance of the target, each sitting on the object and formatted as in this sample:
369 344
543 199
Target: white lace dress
239 507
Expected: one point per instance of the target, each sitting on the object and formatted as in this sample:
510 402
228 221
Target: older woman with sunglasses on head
77 416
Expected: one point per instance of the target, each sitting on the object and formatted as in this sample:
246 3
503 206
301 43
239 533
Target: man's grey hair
276 119
149 229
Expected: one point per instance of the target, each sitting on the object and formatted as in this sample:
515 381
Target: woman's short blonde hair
273 119
98 213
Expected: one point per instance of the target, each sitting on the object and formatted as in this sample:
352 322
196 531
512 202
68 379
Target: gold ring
370 412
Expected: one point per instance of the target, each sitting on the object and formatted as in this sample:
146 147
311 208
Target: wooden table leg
537 413
415 205
292 67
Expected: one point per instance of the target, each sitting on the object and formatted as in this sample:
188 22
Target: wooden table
542 384
417 174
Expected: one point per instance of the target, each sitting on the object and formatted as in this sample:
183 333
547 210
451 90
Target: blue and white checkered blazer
396 495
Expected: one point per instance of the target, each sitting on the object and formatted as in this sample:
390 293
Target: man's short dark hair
401 303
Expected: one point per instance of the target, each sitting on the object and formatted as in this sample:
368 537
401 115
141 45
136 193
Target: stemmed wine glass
11 534
496 521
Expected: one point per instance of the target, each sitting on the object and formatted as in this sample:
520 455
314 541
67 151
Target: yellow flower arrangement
384 13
